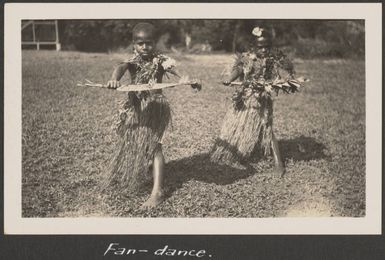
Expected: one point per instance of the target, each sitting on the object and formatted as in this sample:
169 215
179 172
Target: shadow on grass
201 168
302 148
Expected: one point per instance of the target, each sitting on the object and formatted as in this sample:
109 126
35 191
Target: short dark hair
143 29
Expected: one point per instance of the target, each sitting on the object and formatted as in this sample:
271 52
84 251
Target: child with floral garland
247 130
143 118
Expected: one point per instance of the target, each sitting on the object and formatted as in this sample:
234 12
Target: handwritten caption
116 249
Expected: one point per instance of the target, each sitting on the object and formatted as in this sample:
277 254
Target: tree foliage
307 38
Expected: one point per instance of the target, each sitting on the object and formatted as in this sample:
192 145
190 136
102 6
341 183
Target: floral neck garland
262 71
150 70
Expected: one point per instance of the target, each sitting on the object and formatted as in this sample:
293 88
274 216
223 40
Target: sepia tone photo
205 146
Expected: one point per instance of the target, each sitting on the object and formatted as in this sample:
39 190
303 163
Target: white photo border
14 223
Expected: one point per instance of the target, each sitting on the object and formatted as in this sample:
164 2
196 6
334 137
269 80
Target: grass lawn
67 142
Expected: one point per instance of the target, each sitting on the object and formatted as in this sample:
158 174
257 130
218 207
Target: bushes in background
306 38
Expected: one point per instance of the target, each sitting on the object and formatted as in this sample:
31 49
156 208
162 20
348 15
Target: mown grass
67 143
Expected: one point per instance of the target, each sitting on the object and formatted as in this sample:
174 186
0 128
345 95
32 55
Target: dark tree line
307 38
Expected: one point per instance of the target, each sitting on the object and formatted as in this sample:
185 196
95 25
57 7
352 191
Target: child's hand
113 84
226 82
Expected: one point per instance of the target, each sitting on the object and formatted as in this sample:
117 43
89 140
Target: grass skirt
141 127
245 132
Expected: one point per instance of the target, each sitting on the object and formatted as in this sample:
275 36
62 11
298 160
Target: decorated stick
143 87
286 85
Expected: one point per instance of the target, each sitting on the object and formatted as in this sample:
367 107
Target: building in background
40 34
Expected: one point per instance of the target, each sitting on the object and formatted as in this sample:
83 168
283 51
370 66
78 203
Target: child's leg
156 196
279 168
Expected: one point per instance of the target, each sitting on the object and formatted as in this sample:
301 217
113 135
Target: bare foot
154 200
279 171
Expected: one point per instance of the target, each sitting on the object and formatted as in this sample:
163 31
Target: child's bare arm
285 67
117 74
235 73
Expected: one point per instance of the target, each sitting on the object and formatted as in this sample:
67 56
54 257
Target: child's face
263 50
144 47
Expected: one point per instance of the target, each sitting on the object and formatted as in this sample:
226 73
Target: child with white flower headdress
143 118
247 130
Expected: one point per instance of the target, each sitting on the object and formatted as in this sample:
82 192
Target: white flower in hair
168 64
257 31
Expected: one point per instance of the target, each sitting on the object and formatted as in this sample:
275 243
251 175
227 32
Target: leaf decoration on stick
144 87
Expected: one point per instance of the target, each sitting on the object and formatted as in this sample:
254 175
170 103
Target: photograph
203 144
143 122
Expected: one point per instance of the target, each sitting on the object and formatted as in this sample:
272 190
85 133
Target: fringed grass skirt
245 132
141 128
